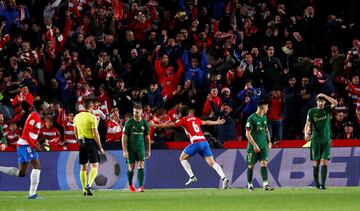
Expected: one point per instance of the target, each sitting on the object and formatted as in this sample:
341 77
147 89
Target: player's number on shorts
28 149
196 128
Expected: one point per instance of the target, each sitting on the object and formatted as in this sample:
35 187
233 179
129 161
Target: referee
86 132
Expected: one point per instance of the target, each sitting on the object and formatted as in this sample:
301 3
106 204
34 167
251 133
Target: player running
198 144
27 147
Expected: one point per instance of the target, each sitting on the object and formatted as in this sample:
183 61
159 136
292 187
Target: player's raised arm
328 98
210 122
163 125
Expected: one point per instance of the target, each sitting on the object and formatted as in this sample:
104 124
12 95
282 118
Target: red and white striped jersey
52 134
31 130
106 103
13 136
99 114
69 133
5 128
192 128
114 131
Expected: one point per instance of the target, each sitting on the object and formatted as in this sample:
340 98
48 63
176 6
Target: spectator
211 98
292 98
12 136
159 136
348 132
274 115
154 97
337 124
226 131
50 136
114 130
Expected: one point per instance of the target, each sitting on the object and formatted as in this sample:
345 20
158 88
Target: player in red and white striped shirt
27 147
198 144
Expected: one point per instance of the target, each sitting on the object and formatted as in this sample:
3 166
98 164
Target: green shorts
252 157
136 156
320 150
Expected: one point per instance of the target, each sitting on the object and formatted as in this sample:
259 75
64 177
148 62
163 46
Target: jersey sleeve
146 128
126 129
179 123
248 125
309 116
93 122
328 108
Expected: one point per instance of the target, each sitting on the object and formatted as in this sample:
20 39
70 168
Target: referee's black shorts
88 151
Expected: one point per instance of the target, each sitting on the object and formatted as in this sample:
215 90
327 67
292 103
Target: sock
83 179
264 175
187 167
34 181
316 175
323 175
250 175
92 175
130 175
141 177
12 171
219 170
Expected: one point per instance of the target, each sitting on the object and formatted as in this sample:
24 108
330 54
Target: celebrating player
317 128
259 143
135 134
27 147
198 144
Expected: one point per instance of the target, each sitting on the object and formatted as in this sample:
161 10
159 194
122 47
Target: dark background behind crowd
219 57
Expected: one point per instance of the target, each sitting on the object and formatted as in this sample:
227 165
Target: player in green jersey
259 144
317 129
135 137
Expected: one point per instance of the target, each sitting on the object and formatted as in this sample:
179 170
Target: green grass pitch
334 198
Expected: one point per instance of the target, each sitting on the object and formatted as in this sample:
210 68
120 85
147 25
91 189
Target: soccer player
27 147
86 132
259 143
199 144
317 129
135 136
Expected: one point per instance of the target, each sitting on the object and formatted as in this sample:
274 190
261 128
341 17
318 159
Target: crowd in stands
219 57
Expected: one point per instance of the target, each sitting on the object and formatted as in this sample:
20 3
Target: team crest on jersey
142 127
32 122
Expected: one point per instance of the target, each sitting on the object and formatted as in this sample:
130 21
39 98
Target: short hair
87 103
138 106
321 98
184 111
263 102
38 105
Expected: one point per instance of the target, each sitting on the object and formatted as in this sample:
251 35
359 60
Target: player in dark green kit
259 144
135 137
317 128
